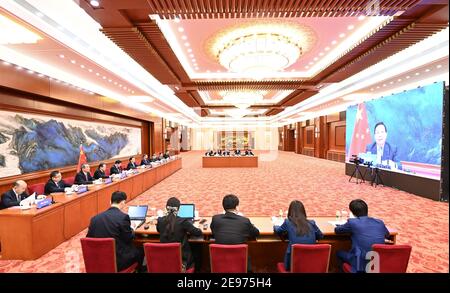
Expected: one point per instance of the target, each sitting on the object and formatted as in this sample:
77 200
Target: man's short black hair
230 202
378 124
54 174
118 196
101 165
359 208
117 162
131 158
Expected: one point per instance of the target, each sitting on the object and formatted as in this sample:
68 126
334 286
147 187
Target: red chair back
99 255
70 180
228 258
310 258
38 188
163 257
393 258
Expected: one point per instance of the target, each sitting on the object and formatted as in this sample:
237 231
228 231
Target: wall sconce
295 134
316 132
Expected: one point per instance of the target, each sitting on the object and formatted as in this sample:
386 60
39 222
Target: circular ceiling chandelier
242 99
260 48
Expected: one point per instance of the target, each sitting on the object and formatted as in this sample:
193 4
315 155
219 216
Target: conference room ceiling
200 49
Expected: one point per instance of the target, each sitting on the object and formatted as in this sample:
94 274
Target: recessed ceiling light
61 56
115 82
311 63
350 27
427 70
438 66
98 74
321 54
191 55
334 42
378 87
132 92
187 44
399 79
408 77
341 35
82 66
73 61
180 29
371 89
95 3
316 58
361 17
307 66
417 73
189 50
104 77
384 84
30 71
391 82
19 67
109 80
327 48
184 37
90 70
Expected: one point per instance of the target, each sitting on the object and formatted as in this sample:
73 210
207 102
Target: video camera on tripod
356 160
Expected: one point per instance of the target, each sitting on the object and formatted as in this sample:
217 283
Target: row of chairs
99 257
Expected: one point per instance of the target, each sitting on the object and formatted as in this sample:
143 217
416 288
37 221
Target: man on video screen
386 153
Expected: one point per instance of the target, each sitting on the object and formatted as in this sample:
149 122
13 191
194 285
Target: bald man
15 195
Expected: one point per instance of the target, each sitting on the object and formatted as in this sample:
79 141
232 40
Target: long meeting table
29 234
266 250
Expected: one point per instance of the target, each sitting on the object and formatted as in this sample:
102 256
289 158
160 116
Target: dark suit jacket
131 166
9 199
182 229
100 174
165 156
80 178
51 186
237 152
365 232
114 170
113 223
389 151
145 162
230 228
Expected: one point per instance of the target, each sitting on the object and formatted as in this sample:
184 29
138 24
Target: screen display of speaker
400 133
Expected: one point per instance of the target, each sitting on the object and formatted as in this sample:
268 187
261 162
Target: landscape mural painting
30 142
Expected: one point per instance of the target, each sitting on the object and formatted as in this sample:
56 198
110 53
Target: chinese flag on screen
361 133
82 160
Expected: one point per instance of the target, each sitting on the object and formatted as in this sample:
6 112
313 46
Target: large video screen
401 132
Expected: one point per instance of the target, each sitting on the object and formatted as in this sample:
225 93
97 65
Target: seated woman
299 229
172 228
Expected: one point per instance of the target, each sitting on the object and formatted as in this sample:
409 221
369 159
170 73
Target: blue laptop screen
137 212
186 211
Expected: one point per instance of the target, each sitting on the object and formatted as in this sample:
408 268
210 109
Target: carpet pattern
281 177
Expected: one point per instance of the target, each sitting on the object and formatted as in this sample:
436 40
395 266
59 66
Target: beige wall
266 138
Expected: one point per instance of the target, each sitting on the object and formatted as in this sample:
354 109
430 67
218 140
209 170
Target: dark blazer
365 232
145 162
9 199
166 156
100 174
291 230
182 229
389 151
237 152
249 153
51 186
131 166
113 223
114 170
80 178
230 228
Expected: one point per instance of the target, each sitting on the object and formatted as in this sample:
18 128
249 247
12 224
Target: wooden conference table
265 251
229 161
28 234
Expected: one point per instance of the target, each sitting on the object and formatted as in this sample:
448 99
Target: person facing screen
55 183
298 228
131 163
386 152
172 228
84 176
116 168
365 232
100 172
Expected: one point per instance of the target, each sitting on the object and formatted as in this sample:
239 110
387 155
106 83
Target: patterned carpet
281 177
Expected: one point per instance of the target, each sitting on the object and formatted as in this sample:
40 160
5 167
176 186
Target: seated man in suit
55 183
237 152
113 223
386 152
219 152
166 155
231 228
155 158
145 161
84 176
14 196
161 156
100 172
116 168
365 232
131 163
248 152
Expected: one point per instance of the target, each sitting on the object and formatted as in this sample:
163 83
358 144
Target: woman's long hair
297 216
172 206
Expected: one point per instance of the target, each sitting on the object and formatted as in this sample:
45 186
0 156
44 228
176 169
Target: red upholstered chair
228 258
38 188
99 256
393 258
308 258
69 180
164 258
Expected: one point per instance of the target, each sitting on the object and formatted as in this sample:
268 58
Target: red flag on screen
82 160
361 133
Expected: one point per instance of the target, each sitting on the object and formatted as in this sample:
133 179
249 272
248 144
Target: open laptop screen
137 212
186 211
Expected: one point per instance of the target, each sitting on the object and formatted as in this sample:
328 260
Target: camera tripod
376 178
355 175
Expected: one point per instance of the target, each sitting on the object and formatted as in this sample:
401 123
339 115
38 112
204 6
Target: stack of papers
338 222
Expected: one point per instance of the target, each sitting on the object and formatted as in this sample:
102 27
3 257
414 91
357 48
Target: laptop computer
187 211
137 214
